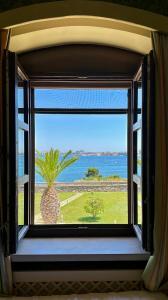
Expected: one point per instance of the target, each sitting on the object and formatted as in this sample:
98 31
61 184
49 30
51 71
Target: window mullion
129 151
32 155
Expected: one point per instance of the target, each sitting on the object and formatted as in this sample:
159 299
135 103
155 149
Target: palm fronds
50 164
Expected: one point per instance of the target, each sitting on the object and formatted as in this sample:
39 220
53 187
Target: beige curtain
156 273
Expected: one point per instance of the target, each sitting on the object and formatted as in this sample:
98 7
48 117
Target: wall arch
77 21
51 10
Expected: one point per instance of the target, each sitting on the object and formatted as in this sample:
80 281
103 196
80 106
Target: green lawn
115 208
62 196
139 208
21 209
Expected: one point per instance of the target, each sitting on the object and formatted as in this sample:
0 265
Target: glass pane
93 189
139 205
21 117
20 102
81 98
139 117
20 153
21 205
139 152
139 97
20 97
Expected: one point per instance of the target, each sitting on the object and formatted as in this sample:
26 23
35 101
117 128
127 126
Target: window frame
77 230
136 126
146 75
12 127
24 126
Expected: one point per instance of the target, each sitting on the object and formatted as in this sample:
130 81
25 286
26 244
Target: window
107 189
22 123
98 140
137 151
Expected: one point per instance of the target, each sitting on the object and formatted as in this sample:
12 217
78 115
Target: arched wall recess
72 21
102 9
73 33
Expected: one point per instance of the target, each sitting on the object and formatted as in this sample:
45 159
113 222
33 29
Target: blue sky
81 98
80 132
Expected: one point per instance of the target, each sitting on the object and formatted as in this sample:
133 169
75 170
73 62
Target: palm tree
49 166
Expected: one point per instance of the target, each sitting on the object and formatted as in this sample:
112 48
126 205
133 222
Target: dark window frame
136 126
30 230
22 81
75 230
80 229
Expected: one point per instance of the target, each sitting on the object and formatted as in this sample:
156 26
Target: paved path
38 218
70 199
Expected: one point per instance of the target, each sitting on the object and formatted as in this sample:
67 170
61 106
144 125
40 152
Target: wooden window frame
75 229
58 230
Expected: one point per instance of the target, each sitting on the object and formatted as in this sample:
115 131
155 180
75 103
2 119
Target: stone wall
107 186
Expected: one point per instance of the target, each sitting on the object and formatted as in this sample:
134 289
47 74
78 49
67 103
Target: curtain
5 283
155 275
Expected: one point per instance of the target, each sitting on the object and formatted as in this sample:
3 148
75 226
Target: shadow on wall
157 6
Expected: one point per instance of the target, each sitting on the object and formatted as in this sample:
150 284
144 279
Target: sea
107 165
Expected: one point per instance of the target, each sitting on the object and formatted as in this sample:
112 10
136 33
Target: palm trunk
50 206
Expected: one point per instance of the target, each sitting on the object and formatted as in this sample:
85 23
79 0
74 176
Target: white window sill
79 249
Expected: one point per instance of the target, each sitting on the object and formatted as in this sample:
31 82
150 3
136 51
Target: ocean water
107 165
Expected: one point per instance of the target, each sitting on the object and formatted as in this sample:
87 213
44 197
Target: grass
62 196
139 208
21 209
115 208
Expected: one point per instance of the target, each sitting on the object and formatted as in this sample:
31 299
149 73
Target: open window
107 122
17 143
93 123
144 151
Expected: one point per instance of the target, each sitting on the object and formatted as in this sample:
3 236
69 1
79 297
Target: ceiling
80 60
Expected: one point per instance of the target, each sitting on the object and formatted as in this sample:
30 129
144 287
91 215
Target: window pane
20 104
139 205
139 101
20 153
139 117
81 98
140 96
20 205
21 117
139 152
20 97
94 188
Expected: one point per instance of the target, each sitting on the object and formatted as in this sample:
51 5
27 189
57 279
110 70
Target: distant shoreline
107 166
84 182
88 153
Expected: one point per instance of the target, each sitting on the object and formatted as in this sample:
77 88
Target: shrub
92 172
94 206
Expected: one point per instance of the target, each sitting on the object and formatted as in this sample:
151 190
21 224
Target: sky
81 132
96 133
